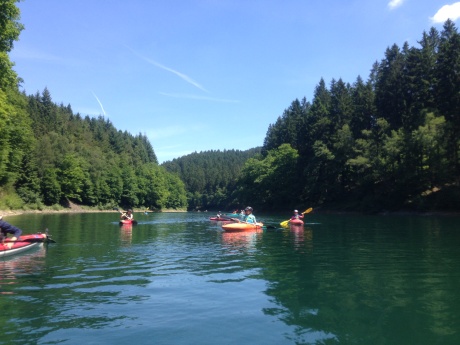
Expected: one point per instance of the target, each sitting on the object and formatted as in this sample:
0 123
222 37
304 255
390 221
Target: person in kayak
248 216
6 228
296 215
128 215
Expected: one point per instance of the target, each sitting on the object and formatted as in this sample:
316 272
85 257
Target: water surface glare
177 278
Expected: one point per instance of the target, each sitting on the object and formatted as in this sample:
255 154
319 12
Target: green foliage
51 188
210 177
379 144
270 181
50 155
10 29
9 199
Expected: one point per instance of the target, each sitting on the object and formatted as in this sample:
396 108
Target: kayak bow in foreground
23 243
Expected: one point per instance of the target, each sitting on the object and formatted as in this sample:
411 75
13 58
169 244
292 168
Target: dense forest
390 142
211 177
51 156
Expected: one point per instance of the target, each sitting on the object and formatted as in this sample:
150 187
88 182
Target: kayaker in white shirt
128 215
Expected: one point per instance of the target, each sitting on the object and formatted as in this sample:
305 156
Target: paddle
116 209
122 213
285 223
48 237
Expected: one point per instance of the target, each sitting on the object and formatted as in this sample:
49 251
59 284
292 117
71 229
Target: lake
177 278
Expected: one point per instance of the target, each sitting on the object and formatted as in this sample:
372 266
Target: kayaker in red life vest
128 215
7 228
248 216
297 215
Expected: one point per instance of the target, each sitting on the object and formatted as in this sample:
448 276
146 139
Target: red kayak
242 227
16 247
25 242
296 222
128 221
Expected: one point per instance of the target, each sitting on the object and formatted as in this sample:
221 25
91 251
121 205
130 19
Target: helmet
249 208
296 211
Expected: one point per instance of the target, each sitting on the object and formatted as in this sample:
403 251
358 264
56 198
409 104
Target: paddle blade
285 223
308 210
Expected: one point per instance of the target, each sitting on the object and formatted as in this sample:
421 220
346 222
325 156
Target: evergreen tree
389 87
10 28
448 91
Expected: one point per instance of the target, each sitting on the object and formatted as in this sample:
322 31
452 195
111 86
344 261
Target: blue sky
198 75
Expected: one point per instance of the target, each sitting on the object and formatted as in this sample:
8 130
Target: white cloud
451 12
395 3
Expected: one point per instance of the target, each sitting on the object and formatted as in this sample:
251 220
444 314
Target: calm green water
178 279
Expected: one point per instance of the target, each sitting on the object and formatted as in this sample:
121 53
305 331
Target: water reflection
302 238
13 267
126 233
241 240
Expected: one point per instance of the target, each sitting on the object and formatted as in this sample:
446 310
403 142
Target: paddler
248 216
128 215
296 215
6 228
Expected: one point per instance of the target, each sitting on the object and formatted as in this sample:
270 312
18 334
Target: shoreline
78 209
5 213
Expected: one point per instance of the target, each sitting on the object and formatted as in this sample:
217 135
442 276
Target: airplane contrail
204 98
179 74
97 99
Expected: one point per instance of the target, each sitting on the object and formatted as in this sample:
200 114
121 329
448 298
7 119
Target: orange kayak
242 227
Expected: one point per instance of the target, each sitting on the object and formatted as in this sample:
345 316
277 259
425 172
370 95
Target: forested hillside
210 177
63 156
391 142
388 143
50 156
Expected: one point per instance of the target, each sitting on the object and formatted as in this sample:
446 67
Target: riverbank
74 208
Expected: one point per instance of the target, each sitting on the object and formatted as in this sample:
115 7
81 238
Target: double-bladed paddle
285 223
